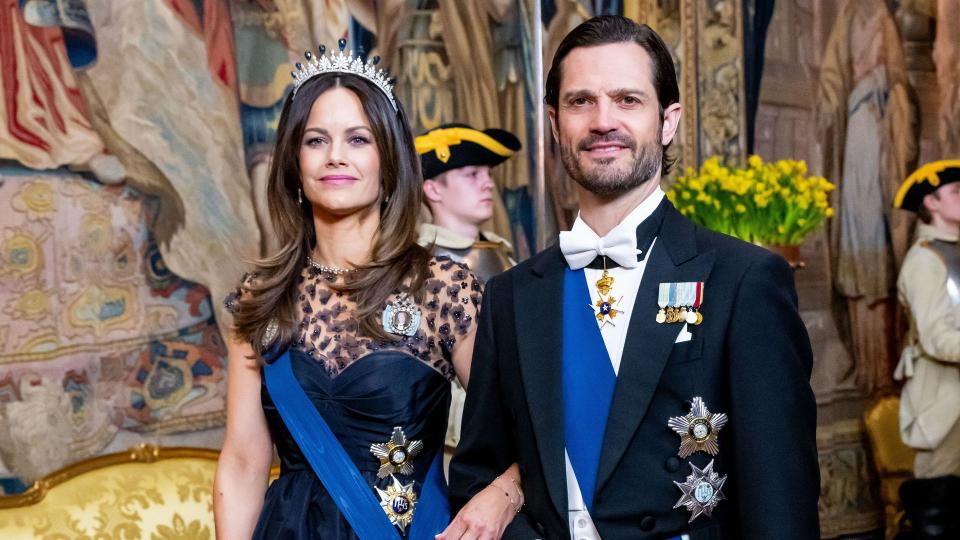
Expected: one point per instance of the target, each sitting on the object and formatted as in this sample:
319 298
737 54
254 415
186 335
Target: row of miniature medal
680 302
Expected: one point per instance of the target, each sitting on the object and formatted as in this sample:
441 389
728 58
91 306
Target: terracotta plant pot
790 253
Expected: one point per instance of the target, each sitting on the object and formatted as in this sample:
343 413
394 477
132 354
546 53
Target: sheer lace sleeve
451 303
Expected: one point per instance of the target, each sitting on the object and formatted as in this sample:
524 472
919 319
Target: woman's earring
299 196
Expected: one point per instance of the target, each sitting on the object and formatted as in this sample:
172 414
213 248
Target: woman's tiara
342 63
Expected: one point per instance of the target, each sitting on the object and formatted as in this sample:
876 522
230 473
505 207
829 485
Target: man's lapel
538 309
674 259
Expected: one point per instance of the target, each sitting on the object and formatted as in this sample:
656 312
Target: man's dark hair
609 29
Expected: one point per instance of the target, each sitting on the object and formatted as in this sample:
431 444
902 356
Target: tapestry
42 122
270 36
867 134
98 339
164 92
848 501
946 55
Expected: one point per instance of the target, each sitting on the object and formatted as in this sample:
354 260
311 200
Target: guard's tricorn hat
452 146
925 181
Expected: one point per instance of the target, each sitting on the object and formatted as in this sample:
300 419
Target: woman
351 331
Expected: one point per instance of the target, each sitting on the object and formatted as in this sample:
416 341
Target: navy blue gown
364 388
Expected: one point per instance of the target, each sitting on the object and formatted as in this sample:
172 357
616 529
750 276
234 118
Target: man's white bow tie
581 246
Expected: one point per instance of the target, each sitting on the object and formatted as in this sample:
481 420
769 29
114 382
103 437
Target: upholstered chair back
147 492
893 459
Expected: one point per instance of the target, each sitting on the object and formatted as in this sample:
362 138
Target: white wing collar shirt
580 246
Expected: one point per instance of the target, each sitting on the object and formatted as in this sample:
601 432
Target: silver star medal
398 501
396 455
698 430
701 491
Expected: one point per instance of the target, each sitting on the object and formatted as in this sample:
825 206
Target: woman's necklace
328 269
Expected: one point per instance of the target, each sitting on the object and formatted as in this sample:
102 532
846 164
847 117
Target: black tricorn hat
452 146
925 181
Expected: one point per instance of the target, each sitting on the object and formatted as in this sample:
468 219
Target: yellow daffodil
754 201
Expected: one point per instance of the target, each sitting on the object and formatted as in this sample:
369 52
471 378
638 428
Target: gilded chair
892 459
147 492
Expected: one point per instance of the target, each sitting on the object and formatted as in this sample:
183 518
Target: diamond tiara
342 63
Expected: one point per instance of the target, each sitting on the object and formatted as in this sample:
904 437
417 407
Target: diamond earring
299 196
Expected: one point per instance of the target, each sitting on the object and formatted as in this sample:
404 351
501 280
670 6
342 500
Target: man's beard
610 182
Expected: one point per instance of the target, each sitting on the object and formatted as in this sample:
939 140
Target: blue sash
339 475
588 382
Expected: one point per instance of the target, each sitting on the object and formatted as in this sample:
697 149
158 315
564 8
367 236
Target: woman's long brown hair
397 263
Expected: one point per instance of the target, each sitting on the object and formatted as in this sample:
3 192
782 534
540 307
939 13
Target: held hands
488 513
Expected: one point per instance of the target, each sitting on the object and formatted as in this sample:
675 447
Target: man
650 377
456 161
929 290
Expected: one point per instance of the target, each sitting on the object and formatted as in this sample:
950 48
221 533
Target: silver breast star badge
398 501
701 491
698 430
396 455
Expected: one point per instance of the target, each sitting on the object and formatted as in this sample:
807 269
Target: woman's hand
489 512
485 516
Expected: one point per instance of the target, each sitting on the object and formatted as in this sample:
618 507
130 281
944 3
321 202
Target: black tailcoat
750 359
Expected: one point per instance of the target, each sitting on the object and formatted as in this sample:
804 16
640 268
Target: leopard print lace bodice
330 334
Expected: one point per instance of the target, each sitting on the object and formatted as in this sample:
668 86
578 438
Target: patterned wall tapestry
42 122
99 343
706 40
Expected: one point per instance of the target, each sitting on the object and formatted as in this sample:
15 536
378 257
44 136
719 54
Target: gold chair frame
143 453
